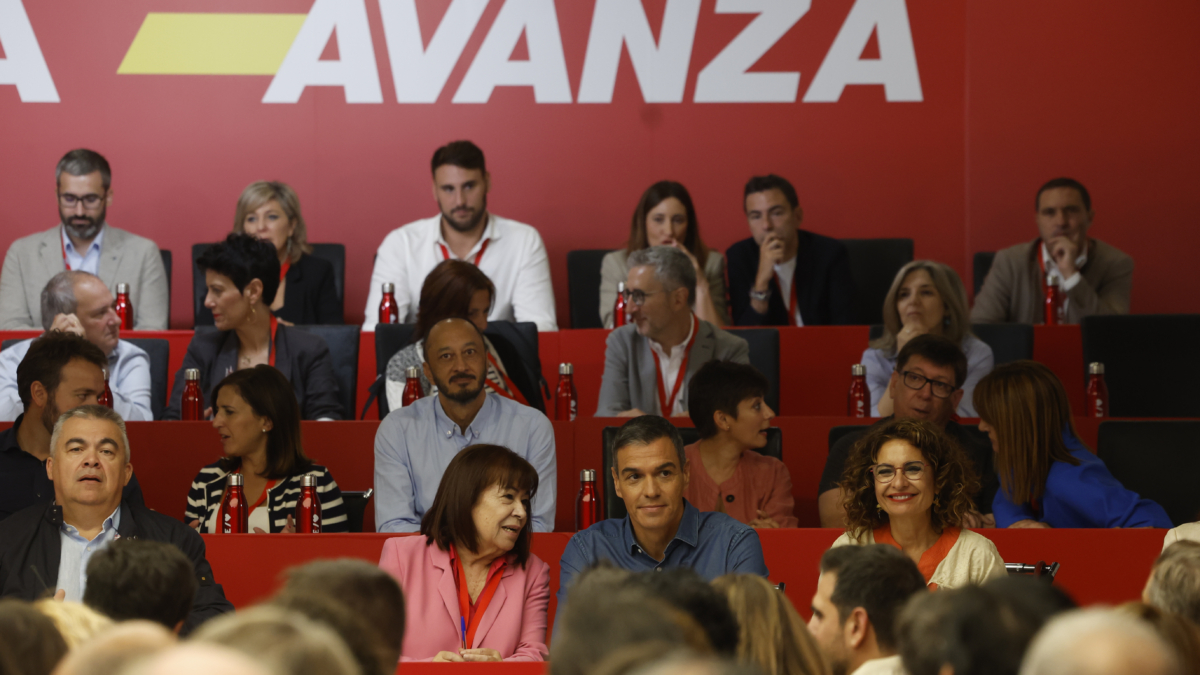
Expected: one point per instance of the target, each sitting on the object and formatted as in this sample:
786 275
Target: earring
264 431
878 507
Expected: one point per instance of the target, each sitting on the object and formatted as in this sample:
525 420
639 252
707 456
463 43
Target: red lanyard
478 256
515 393
283 269
791 310
666 406
271 347
495 572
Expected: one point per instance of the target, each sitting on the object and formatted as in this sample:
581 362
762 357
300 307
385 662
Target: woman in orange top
909 485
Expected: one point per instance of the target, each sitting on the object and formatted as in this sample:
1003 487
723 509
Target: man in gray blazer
649 362
83 241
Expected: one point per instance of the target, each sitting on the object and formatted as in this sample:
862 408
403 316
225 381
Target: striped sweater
204 498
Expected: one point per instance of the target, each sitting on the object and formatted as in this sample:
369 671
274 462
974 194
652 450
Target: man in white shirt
79 303
511 254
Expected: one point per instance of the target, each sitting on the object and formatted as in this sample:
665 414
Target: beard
50 414
471 224
461 396
83 227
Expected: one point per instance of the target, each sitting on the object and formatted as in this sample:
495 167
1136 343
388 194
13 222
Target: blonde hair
772 634
956 324
285 642
257 194
77 622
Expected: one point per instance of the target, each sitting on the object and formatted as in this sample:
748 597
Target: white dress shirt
786 271
671 366
89 260
515 261
128 378
77 551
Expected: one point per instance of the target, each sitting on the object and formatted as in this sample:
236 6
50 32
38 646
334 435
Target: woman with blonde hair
772 634
926 297
75 621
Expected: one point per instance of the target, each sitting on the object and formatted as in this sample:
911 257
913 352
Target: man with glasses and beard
415 444
511 254
83 242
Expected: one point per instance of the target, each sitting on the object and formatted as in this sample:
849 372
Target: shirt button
729 498
658 569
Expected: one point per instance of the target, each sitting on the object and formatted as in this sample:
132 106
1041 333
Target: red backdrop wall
1013 94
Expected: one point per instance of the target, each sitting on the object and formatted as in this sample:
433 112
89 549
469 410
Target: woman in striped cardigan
258 420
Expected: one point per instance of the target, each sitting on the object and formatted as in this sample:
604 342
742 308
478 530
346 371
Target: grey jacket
614 269
124 258
631 378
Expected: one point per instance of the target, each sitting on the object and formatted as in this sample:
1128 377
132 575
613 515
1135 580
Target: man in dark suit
782 275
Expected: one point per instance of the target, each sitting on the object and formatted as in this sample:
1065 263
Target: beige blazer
614 269
972 560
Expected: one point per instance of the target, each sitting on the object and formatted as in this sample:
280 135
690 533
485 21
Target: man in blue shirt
662 529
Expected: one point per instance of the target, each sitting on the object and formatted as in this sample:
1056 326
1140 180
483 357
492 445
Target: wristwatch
760 295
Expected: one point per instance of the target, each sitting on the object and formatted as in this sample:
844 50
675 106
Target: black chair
1159 460
1009 341
166 259
615 508
159 351
343 350
764 355
334 253
356 505
839 432
1149 362
583 287
980 267
874 264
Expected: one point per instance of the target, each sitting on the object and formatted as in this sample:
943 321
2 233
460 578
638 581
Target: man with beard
60 371
511 254
415 444
83 241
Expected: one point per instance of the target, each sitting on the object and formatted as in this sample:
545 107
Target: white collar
692 323
68 245
490 231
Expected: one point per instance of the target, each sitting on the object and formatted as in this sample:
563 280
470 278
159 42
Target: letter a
355 71
546 69
24 66
896 67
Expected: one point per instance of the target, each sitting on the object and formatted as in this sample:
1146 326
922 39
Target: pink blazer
514 623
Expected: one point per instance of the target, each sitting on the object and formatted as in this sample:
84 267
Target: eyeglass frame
933 384
903 469
629 296
63 198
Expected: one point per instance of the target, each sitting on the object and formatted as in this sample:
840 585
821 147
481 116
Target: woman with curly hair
908 485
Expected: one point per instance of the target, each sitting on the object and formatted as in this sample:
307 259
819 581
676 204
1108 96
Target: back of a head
362 640
30 638
1174 584
1033 599
685 590
194 658
242 259
722 386
75 621
46 358
878 578
371 592
1099 642
970 629
683 663
285 642
1182 635
772 634
141 579
672 268
118 648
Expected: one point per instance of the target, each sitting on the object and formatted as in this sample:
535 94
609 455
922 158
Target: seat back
523 336
356 505
839 432
1149 362
159 351
389 339
343 350
874 264
336 255
166 260
980 266
583 287
615 508
201 315
1159 460
1009 341
764 355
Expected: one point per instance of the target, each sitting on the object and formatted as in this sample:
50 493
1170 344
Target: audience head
84 180
772 635
75 621
123 646
1099 642
772 208
860 593
1032 597
454 289
89 459
1023 409
650 473
906 469
141 579
929 295
255 409
1182 635
685 590
483 503
285 642
30 638
460 184
1064 209
242 277
270 210
683 662
194 658
662 289
1174 583
59 372
927 381
456 360
363 642
84 295
727 398
665 216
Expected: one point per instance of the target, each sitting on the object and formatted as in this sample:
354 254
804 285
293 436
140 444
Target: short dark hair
81 162
644 430
968 628
473 470
1064 183
684 589
722 386
878 578
446 294
771 182
463 154
46 358
141 579
938 350
270 395
35 643
352 627
243 259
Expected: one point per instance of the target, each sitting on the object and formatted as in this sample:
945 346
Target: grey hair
58 297
81 162
672 268
1075 642
1175 580
90 412
646 429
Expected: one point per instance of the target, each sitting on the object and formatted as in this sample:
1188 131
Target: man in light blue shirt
415 444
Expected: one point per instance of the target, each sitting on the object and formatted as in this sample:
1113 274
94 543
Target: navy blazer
310 297
823 285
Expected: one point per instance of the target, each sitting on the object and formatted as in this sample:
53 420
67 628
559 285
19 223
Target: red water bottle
566 401
123 308
1052 301
389 311
106 399
587 507
1097 391
235 515
619 316
308 507
192 404
412 386
858 401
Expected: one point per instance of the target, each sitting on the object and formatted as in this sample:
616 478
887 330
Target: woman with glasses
665 217
1048 478
908 485
926 297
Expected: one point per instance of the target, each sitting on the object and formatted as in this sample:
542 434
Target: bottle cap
388 287
308 480
412 371
565 369
620 286
1096 368
234 479
587 476
191 374
122 288
858 369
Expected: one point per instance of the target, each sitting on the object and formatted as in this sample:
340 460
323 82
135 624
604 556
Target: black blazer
302 357
823 286
310 296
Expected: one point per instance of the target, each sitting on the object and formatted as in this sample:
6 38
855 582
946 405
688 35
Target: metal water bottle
1052 301
1097 391
587 508
308 507
123 308
235 514
192 404
389 311
412 386
566 401
619 316
858 401
106 399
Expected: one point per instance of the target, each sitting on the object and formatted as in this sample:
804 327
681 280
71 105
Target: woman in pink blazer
472 589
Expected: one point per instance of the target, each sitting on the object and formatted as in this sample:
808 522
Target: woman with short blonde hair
772 634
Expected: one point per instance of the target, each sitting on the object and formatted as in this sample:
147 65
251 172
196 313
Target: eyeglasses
90 200
917 381
884 473
638 296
